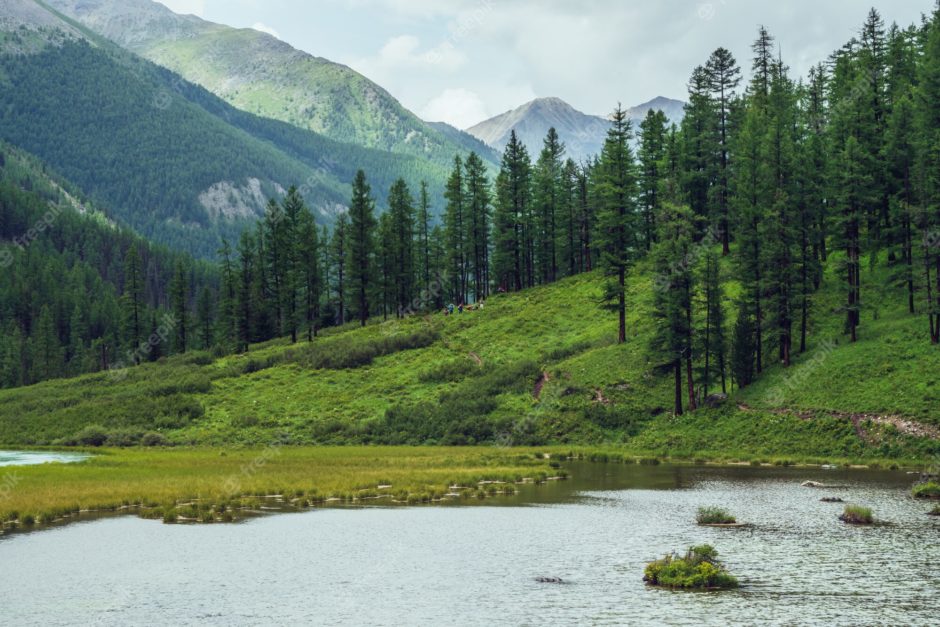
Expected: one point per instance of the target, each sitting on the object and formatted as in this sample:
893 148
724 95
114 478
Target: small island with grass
935 511
716 517
698 569
857 515
927 490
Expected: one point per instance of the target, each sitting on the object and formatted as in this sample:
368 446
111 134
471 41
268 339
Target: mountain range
183 129
583 134
261 74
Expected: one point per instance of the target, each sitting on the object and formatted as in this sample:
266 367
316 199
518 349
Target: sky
463 61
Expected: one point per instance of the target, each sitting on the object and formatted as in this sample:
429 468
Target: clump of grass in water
857 515
698 569
927 490
935 511
714 516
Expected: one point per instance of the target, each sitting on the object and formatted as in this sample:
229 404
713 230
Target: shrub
857 515
152 438
714 516
927 490
123 438
92 435
698 569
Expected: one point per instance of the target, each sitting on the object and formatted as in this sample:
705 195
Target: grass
935 511
857 515
210 483
927 490
698 569
714 516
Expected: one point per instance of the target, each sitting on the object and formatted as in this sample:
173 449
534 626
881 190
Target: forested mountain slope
171 160
65 279
257 72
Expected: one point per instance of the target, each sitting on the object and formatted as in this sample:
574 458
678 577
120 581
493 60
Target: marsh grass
204 485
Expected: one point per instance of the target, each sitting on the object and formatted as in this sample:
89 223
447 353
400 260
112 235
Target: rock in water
549 580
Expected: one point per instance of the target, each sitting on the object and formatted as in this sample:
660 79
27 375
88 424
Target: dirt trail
902 424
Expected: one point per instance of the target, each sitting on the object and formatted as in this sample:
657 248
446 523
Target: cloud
264 28
403 55
186 7
459 107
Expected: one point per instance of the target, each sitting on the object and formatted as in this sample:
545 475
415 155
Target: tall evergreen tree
133 297
651 153
616 186
362 224
723 76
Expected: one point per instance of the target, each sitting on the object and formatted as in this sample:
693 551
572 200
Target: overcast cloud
462 61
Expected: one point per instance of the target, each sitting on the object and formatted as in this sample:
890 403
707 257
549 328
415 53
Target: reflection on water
477 565
30 458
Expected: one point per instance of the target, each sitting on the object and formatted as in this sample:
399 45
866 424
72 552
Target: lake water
477 564
30 458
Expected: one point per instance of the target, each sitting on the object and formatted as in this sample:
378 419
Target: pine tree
673 297
133 296
45 348
204 316
478 224
455 228
309 269
513 192
179 297
548 185
245 303
616 183
855 187
402 215
651 153
362 226
743 346
227 331
713 340
340 247
723 76
750 188
423 243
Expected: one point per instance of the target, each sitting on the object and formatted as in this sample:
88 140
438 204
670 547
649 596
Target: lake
477 564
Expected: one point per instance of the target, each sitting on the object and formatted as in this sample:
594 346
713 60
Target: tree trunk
677 368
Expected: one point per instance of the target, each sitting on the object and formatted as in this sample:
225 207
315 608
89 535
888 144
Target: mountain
164 156
257 72
582 133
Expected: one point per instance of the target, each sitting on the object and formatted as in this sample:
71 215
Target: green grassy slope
473 378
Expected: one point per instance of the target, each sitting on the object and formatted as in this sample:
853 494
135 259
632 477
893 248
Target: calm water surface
30 458
476 565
